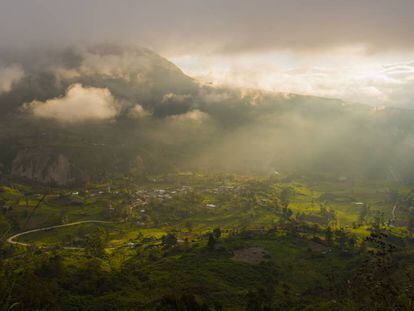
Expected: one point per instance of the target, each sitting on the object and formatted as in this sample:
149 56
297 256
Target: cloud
213 26
78 105
137 112
173 104
192 116
9 75
346 74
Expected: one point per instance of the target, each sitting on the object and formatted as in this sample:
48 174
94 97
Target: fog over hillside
111 109
194 155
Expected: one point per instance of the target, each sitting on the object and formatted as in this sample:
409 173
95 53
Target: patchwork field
223 240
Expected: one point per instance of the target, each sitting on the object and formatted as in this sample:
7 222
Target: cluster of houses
141 198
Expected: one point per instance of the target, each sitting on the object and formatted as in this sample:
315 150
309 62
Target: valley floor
208 242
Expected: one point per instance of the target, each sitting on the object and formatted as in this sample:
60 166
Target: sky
357 50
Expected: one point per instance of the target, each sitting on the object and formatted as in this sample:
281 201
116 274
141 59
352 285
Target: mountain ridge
133 104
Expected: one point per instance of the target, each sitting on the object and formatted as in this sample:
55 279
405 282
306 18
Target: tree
328 234
378 220
217 233
189 226
253 302
169 240
51 266
186 302
410 225
260 299
341 238
286 213
328 214
211 242
285 196
375 283
95 243
363 214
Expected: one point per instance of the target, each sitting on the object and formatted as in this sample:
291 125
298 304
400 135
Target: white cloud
345 73
8 76
192 116
175 98
137 112
79 104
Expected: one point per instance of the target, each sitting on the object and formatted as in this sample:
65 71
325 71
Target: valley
218 241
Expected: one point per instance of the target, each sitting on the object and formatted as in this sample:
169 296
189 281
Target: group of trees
213 238
169 240
328 214
95 243
380 280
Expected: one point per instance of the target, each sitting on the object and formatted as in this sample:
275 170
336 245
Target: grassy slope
295 261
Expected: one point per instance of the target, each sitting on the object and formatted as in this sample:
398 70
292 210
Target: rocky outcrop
45 166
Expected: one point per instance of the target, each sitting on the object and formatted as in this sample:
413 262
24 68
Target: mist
8 76
206 155
210 27
137 105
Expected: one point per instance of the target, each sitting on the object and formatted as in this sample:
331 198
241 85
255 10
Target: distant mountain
135 75
81 114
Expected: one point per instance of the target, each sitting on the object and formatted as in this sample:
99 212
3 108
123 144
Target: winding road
11 239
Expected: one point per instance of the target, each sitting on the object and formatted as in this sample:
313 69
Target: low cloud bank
8 76
79 104
172 122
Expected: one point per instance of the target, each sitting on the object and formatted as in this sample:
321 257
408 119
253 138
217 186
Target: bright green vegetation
209 242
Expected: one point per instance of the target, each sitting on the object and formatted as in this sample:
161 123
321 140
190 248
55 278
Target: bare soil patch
251 255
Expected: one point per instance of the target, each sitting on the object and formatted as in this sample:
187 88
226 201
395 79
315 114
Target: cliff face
45 166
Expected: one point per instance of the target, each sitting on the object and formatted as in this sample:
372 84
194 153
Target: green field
219 242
